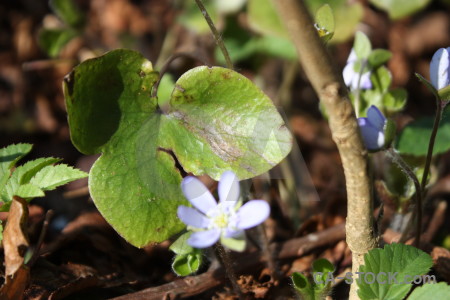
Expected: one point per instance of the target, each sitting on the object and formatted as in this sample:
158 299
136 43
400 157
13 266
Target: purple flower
373 129
439 68
211 220
352 77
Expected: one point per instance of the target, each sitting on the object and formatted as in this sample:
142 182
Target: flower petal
252 214
376 118
372 137
439 68
197 193
192 217
365 83
228 187
348 74
204 239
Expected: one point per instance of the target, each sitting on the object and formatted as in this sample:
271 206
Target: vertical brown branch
329 86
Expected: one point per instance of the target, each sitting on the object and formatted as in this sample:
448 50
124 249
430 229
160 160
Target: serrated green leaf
379 57
218 120
438 291
52 41
25 172
9 156
29 191
381 79
362 46
186 264
325 18
180 246
50 177
414 138
402 259
68 12
303 286
400 8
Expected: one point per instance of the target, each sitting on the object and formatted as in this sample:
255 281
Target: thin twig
44 230
216 34
417 215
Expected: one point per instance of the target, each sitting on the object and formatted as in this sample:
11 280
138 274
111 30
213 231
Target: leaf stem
225 259
417 215
216 34
166 65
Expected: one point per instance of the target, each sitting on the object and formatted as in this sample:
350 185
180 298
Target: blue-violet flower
440 68
352 77
210 220
373 129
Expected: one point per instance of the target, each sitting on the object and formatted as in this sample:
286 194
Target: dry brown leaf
15 243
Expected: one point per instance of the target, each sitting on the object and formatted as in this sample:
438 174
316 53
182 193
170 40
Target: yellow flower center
221 220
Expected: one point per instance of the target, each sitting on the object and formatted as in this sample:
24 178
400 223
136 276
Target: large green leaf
217 121
400 8
415 136
392 268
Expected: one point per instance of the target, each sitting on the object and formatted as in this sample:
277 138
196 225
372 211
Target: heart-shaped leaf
218 120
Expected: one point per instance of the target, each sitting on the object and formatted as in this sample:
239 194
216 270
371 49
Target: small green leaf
68 12
9 156
397 259
379 57
381 79
186 264
236 244
444 93
50 177
395 100
180 246
52 41
325 22
428 85
438 291
262 17
400 8
362 45
303 286
414 138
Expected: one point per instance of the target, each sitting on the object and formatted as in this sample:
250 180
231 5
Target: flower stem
217 36
437 120
417 215
225 259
